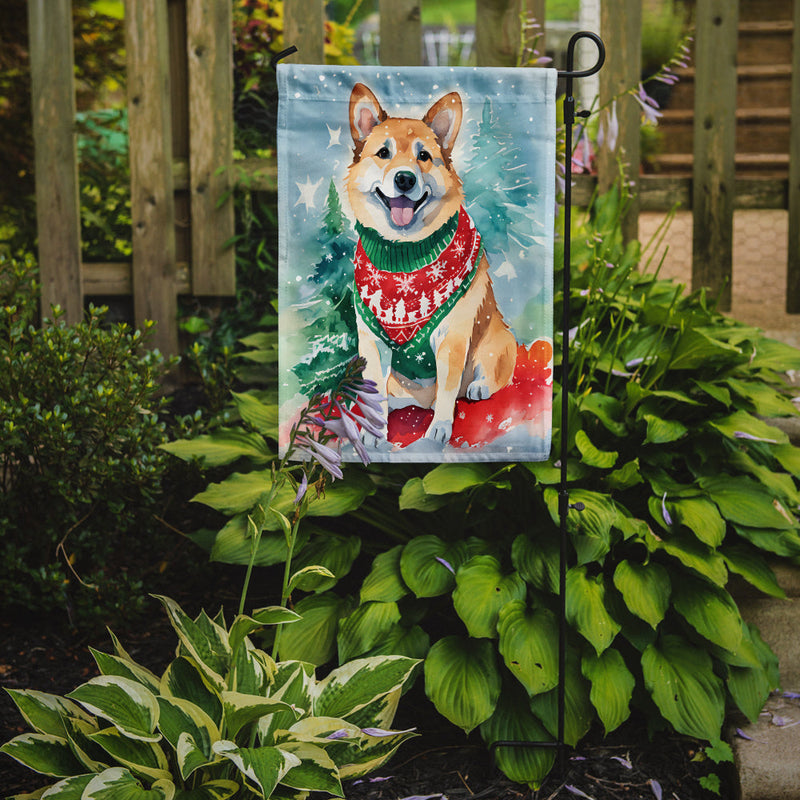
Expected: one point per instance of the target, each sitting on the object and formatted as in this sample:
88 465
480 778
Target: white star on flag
307 192
334 133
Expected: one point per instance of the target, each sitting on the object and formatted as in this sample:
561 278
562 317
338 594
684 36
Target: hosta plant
224 720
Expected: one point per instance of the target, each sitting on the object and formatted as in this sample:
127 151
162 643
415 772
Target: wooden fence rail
180 105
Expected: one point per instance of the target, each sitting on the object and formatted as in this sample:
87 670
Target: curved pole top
570 72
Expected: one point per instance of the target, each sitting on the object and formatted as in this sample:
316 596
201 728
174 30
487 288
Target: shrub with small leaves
80 467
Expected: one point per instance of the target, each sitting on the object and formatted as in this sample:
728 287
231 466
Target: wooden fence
181 141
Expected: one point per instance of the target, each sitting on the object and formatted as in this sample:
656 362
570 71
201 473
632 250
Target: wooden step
767 165
758 130
763 42
754 10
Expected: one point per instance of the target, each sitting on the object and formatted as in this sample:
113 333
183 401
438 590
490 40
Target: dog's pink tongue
402 210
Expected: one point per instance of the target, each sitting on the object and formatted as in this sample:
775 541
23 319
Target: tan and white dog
428 323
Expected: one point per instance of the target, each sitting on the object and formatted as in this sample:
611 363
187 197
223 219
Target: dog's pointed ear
444 118
365 113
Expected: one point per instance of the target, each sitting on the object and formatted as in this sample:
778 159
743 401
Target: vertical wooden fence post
793 267
621 28
56 164
210 55
400 32
714 146
152 201
498 29
304 27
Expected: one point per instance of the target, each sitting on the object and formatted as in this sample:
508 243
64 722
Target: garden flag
416 218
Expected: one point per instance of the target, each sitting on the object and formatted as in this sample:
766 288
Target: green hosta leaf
767 401
44 753
625 477
697 349
512 721
717 392
45 712
223 446
745 502
663 431
537 561
263 766
788 455
414 497
126 704
385 582
753 567
462 680
428 565
355 685
749 688
683 685
529 645
334 553
780 542
646 589
145 759
481 591
590 455
117 783
608 410
740 422
771 354
312 577
261 416
316 772
239 492
125 668
548 474
182 679
313 638
449 478
212 790
709 610
578 710
693 554
597 517
233 544
612 687
365 627
701 517
586 608
242 709
207 644
399 640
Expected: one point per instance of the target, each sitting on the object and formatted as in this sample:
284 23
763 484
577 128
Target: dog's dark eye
383 152
424 155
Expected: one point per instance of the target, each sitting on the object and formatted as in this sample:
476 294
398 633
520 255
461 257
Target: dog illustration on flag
428 323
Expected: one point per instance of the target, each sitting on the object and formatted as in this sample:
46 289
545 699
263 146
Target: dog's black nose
405 181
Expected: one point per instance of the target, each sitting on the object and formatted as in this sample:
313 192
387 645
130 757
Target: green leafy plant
79 430
223 720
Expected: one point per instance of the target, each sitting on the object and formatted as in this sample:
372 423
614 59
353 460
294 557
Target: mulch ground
44 654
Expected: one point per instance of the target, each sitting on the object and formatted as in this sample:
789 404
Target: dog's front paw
478 390
440 431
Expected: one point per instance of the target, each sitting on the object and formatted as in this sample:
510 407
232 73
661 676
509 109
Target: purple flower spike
445 563
301 489
328 458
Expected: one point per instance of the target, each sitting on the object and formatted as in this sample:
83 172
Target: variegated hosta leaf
481 591
462 680
183 679
368 625
126 704
262 766
68 789
294 685
204 641
117 783
44 753
373 752
385 581
513 721
529 645
683 685
612 686
114 665
358 683
586 608
252 670
646 589
78 733
45 712
242 709
179 718
578 710
316 771
145 759
212 790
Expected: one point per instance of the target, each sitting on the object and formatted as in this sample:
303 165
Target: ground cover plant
683 484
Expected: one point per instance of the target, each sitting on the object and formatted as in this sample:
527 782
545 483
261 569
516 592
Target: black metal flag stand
569 75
